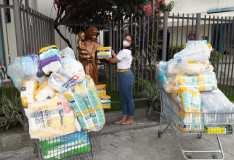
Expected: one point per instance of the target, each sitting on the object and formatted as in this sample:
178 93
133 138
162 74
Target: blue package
29 65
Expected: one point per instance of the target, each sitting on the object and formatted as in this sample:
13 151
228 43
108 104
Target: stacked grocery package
61 103
105 99
104 52
189 79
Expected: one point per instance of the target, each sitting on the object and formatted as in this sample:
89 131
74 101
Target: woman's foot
129 121
124 118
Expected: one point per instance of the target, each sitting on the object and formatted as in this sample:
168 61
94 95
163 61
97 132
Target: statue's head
81 35
91 34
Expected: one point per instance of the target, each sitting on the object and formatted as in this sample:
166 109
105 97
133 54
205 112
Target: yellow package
27 92
106 101
95 101
103 52
45 91
215 130
101 88
50 118
75 95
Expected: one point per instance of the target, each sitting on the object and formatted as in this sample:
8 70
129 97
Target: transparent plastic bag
61 80
161 73
74 67
67 54
188 67
219 105
29 65
15 72
196 51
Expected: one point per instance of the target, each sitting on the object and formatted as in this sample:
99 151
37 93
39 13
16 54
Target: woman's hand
113 53
106 59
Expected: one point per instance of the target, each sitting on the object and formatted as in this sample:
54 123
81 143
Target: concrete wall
201 6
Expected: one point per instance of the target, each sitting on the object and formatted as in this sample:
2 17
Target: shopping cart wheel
199 135
189 156
159 134
36 152
214 156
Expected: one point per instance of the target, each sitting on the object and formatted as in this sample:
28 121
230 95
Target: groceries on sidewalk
189 79
61 103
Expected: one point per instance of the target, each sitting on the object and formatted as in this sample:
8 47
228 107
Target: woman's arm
114 59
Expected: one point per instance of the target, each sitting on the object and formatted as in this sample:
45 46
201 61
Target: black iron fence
22 31
159 38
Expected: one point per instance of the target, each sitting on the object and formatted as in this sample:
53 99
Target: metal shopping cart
74 146
194 123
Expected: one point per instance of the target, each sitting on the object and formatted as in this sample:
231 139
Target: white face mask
125 43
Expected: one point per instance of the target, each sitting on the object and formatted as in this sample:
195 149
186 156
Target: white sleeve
121 55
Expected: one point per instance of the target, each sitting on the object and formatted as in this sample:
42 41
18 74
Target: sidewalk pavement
139 141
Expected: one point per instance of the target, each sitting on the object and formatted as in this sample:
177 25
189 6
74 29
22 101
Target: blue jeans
125 86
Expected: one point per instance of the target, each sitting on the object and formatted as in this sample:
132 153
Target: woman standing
125 79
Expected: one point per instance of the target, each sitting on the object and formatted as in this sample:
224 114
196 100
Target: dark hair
132 47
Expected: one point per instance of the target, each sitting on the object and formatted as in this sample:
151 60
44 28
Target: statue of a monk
88 52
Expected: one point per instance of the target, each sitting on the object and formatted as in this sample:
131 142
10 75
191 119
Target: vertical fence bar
139 49
182 31
231 54
172 37
218 62
204 29
25 30
209 31
222 79
192 25
113 43
18 29
177 32
187 28
110 40
19 44
52 32
134 62
35 31
164 47
143 53
229 61
147 55
198 23
39 31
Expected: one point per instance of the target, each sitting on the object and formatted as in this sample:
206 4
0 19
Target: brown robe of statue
88 56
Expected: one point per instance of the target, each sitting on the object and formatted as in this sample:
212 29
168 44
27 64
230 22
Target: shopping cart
74 146
194 123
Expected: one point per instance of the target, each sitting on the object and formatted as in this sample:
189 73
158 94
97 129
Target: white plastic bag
66 55
61 80
15 72
195 52
216 107
188 67
29 65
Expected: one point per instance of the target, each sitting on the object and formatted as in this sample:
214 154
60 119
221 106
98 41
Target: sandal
126 123
118 122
